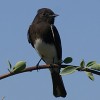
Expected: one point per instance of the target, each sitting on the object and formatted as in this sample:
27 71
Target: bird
45 39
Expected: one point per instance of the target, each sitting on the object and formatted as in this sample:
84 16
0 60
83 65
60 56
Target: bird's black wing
57 41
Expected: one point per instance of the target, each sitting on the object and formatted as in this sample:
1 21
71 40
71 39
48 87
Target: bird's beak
54 15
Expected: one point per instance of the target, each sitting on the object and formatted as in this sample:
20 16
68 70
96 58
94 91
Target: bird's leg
37 65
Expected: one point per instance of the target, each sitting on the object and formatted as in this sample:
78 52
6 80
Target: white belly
46 51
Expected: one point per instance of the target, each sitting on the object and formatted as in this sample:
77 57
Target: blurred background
79 29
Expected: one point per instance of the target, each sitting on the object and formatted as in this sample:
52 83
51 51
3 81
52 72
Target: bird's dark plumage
44 37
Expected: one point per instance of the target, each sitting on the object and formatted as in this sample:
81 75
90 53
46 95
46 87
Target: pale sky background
79 28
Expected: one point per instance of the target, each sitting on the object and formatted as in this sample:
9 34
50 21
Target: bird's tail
58 86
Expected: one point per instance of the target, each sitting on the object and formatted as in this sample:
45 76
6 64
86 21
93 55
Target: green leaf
90 75
91 63
68 60
82 64
9 64
68 70
96 67
19 66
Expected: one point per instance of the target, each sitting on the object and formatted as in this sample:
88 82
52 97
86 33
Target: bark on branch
29 69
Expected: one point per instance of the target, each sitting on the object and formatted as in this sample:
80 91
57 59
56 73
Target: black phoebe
44 37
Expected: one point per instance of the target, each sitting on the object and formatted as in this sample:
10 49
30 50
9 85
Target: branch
89 70
29 69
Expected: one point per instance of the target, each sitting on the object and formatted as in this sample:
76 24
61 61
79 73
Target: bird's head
47 15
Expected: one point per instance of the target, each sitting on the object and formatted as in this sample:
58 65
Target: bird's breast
46 51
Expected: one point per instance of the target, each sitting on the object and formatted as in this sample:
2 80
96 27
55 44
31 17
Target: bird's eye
45 14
